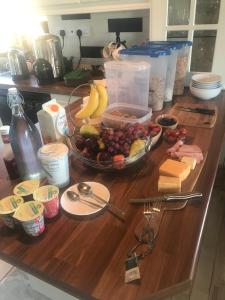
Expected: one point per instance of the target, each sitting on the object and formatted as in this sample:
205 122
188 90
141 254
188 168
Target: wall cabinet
59 7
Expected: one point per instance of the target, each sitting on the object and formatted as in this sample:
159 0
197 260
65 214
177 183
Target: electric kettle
17 64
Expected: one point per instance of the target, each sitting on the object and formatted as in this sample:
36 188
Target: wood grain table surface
85 257
31 85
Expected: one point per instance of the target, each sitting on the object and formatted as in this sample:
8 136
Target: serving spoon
86 190
76 197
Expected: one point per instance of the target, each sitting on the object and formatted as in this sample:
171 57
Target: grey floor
209 282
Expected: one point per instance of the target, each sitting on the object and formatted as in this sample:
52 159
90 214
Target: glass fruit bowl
108 164
102 152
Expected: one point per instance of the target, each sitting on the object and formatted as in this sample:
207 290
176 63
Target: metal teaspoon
86 190
75 197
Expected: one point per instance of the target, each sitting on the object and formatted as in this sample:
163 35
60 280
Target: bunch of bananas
96 104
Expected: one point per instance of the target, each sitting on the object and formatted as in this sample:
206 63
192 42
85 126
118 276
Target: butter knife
169 198
199 110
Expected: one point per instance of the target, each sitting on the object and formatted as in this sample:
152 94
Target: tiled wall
96 30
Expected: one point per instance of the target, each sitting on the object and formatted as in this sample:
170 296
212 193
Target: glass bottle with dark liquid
24 138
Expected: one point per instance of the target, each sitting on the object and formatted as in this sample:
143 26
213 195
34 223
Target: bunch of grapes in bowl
107 148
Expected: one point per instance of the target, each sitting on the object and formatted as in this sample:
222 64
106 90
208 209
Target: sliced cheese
169 184
174 168
190 161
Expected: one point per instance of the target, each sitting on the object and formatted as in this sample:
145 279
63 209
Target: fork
153 215
150 209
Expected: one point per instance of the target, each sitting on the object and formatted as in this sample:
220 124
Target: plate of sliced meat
180 150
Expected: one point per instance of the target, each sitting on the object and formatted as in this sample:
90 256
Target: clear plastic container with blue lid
171 66
183 49
128 82
181 67
158 58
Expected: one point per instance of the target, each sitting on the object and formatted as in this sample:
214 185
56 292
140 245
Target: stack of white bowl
206 86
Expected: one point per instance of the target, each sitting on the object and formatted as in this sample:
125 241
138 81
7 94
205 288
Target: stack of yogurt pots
29 205
206 86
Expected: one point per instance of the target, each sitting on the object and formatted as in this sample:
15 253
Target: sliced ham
197 155
179 150
175 147
190 148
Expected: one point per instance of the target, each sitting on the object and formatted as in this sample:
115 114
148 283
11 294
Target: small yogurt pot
26 188
49 196
8 206
54 160
30 214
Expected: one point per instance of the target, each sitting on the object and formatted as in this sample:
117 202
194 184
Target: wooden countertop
85 257
31 85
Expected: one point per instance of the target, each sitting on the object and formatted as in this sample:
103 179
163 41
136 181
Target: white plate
81 209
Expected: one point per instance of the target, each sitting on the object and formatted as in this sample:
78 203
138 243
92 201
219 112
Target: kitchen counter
85 256
31 85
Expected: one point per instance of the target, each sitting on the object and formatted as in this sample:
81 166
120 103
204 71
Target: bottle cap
4 130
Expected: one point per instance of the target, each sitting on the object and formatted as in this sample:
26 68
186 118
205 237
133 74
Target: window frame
159 28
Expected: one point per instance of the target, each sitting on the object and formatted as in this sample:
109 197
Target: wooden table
31 85
85 257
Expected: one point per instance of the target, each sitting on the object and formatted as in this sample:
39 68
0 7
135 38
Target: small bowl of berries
167 121
171 136
105 148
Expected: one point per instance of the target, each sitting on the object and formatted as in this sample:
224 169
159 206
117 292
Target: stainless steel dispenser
48 47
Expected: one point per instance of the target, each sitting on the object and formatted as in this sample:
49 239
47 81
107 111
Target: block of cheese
190 161
174 168
169 184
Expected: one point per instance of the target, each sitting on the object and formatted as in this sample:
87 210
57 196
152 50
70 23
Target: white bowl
206 78
205 91
207 87
205 94
205 83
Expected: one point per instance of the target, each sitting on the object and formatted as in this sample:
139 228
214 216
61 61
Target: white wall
96 31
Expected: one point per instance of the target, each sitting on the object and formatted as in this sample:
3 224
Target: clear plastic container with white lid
158 59
127 82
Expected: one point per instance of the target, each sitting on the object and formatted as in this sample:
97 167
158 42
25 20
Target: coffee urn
48 47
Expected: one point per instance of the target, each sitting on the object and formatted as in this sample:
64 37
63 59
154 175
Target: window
200 21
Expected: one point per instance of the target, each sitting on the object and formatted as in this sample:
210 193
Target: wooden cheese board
195 119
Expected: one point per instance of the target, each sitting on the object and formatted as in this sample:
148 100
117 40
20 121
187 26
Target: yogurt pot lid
29 211
26 188
46 193
9 204
52 150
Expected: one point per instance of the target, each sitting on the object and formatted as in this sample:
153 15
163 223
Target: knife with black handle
199 110
169 198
